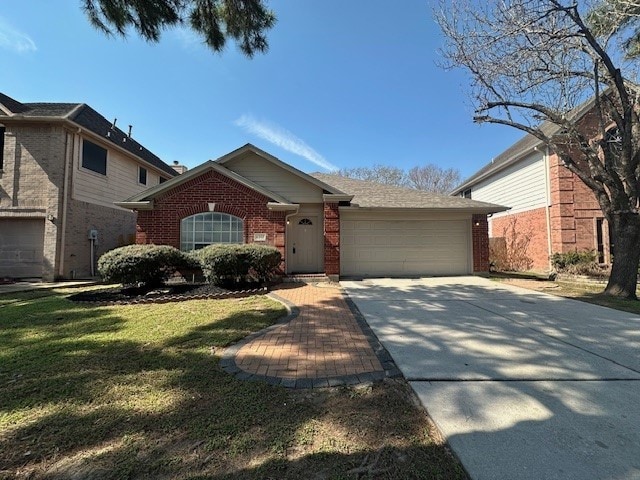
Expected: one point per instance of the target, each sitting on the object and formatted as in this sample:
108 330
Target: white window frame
208 228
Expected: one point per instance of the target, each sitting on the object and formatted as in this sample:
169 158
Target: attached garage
399 245
21 247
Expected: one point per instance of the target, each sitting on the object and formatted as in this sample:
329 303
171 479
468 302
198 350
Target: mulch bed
169 293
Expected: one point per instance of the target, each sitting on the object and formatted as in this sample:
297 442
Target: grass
135 392
591 293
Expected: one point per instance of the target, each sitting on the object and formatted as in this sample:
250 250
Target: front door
302 246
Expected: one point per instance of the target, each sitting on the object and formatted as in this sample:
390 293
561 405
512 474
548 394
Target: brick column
480 239
331 240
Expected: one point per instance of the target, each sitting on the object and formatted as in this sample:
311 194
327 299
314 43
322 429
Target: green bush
580 263
235 264
147 265
562 261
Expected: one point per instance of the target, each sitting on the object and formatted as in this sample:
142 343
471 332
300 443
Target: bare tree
433 178
377 173
538 66
430 178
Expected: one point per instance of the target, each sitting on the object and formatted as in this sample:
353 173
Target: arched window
305 221
203 229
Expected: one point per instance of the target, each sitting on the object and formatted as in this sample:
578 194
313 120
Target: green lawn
135 391
586 292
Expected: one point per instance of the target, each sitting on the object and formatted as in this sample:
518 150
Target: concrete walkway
320 344
24 286
524 385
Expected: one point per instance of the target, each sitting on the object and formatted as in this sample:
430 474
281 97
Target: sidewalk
320 344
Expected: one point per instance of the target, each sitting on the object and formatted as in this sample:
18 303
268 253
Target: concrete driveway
524 385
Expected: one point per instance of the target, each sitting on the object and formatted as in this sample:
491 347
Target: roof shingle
85 116
377 195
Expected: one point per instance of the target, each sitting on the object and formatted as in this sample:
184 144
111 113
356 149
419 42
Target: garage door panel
405 247
21 247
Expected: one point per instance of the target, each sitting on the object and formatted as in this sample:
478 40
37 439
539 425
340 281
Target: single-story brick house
551 209
321 223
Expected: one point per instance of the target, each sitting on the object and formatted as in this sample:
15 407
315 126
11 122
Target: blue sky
344 84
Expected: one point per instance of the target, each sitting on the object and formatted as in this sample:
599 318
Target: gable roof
81 115
149 194
331 189
377 195
521 148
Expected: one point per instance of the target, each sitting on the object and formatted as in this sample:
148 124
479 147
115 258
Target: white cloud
284 139
15 40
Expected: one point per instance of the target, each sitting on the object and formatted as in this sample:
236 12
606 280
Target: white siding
522 186
275 179
120 183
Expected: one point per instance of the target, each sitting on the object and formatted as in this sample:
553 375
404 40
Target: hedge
234 264
147 265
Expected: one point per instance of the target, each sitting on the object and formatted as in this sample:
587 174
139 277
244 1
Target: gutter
547 203
283 207
146 205
70 145
461 210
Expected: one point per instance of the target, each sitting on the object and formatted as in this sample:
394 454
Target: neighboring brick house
62 165
320 223
549 205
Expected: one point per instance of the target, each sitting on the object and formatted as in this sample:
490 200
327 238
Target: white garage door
371 247
21 247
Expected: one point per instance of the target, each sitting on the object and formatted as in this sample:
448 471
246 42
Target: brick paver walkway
322 346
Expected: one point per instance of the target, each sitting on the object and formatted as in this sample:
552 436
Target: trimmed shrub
580 263
147 265
225 264
264 262
562 261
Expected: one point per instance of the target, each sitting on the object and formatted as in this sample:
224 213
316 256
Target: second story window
142 175
466 193
94 157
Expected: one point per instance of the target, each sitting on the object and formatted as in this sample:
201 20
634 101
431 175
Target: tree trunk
625 233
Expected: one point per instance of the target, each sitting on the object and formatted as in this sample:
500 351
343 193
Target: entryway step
305 278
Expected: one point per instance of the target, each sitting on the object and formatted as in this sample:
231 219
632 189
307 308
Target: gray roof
86 117
377 195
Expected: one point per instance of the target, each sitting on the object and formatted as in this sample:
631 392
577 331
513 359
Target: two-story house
551 209
62 167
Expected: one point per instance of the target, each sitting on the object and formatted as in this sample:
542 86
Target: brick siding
480 241
573 213
331 239
115 228
531 224
31 181
162 224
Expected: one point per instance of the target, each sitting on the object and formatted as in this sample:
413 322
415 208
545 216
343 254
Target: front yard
586 292
135 391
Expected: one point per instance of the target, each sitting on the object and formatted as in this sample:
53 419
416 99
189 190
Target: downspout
69 151
547 203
